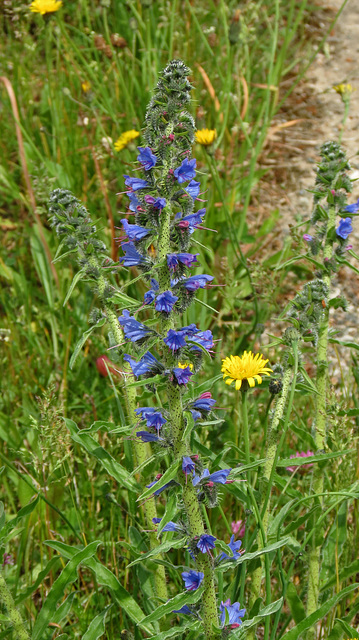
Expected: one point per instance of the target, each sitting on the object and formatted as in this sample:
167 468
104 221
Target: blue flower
134 231
146 365
133 329
204 338
147 437
234 612
206 542
134 201
165 301
135 183
234 547
154 418
219 477
175 340
191 221
151 294
186 171
188 465
352 208
146 158
131 258
205 402
144 412
159 203
182 375
345 228
196 282
185 609
192 579
193 189
170 526
185 258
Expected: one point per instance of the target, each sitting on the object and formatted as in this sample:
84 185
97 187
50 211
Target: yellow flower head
183 365
247 367
125 138
45 6
206 137
86 86
344 90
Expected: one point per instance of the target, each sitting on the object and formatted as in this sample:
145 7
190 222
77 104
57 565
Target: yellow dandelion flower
183 365
206 137
86 86
125 138
45 6
344 90
247 367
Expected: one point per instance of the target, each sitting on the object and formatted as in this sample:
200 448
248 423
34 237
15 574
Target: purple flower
159 203
134 231
352 208
307 237
196 282
182 375
147 437
154 418
345 228
133 329
234 612
206 542
146 158
7 559
238 527
135 183
204 338
175 340
165 301
193 189
191 221
146 365
134 201
131 258
234 547
188 465
185 258
170 526
219 477
192 579
185 609
186 171
205 402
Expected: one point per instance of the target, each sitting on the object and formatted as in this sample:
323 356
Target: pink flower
303 467
238 527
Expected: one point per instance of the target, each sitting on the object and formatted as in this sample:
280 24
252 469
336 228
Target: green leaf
169 475
56 593
189 425
162 548
175 631
319 614
266 611
345 573
121 298
187 597
83 339
295 259
308 380
105 459
106 578
298 462
347 629
142 383
50 565
97 626
171 509
77 277
250 556
25 511
246 467
351 345
295 524
2 515
295 604
64 609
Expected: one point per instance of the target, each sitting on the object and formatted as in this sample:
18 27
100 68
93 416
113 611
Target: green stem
271 459
14 615
142 450
320 428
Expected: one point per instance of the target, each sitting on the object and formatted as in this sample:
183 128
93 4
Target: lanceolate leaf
56 593
83 339
106 578
169 475
187 597
318 615
162 548
298 462
105 459
77 277
97 626
266 611
249 556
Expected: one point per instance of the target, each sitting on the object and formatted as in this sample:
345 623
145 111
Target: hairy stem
14 615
